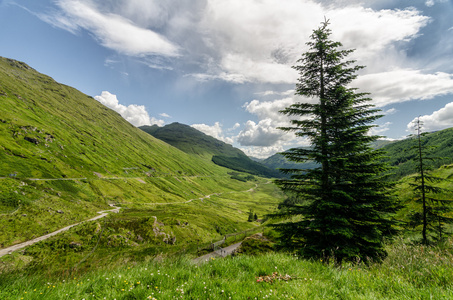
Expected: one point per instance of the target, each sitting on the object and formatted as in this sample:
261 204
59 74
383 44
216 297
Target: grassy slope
409 272
407 194
52 131
400 154
193 141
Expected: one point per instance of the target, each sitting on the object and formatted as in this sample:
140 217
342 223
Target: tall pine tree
340 210
433 216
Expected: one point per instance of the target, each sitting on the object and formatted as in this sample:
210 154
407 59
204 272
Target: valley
93 197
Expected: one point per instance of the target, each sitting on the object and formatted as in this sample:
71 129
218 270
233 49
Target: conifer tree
433 216
341 209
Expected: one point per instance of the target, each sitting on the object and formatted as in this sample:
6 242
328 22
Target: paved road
10 249
222 252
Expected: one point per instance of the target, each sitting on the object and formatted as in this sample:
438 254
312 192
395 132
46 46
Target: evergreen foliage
341 209
433 216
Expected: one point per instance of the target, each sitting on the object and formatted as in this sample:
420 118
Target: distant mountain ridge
191 140
398 154
195 142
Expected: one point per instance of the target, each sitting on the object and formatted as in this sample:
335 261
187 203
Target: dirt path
13 248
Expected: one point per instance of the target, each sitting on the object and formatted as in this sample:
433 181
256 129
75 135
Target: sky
225 67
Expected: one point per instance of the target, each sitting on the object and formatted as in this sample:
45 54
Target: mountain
195 142
400 153
64 156
278 161
191 140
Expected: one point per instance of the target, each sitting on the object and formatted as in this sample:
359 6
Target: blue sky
224 67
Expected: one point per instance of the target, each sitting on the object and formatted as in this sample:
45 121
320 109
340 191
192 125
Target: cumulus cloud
269 109
280 32
134 114
235 126
379 130
164 115
215 131
111 30
438 120
262 152
402 85
262 133
265 132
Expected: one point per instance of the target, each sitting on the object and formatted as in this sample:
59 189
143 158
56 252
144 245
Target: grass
90 157
409 272
143 230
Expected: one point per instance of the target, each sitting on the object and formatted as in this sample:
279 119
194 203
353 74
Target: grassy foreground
409 272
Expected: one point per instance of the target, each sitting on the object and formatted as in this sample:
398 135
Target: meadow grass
409 272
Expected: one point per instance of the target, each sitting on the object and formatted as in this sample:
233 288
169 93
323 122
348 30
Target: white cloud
235 126
383 28
379 130
280 32
262 152
215 131
269 109
390 111
438 120
164 115
431 3
111 30
134 114
262 134
402 85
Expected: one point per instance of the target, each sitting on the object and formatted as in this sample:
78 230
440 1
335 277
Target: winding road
221 252
13 248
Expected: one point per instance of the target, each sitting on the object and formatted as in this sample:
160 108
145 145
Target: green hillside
400 155
193 141
278 161
64 156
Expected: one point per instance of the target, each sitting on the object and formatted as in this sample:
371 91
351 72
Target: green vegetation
243 163
432 215
64 156
400 156
193 141
279 161
340 210
409 272
409 196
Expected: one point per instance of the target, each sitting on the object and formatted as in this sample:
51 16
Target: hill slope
193 141
64 156
400 155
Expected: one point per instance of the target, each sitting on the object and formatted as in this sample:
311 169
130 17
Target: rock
60 212
74 245
32 140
